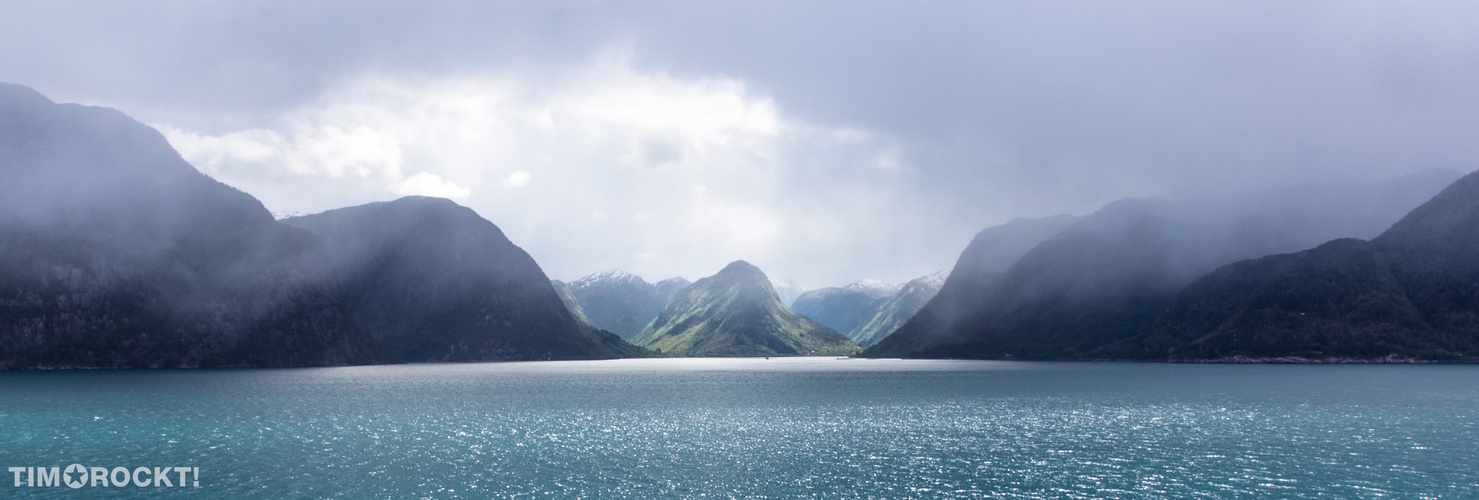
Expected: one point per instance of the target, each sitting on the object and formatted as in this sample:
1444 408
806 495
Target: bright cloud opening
691 172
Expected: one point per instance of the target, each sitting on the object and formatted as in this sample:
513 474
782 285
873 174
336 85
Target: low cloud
681 174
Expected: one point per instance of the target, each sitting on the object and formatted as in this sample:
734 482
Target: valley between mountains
117 253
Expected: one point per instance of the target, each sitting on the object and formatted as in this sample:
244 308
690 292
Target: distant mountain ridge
840 308
872 288
788 290
737 313
894 311
116 253
621 302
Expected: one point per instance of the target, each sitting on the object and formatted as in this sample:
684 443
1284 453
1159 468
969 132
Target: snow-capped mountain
892 313
872 288
621 302
608 277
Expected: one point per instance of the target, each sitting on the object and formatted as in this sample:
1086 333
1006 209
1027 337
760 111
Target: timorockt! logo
76 476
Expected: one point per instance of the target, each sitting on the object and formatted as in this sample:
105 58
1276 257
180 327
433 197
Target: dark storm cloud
996 109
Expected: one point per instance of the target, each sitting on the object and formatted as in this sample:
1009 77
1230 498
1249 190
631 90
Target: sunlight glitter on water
779 428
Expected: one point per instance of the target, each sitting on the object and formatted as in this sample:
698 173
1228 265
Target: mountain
433 281
788 290
988 256
897 310
737 313
840 309
620 302
669 287
996 248
1410 293
1109 276
568 298
116 253
872 288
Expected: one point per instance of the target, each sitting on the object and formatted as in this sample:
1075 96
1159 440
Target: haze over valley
120 254
238 186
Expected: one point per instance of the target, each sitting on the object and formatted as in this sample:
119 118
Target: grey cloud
1002 109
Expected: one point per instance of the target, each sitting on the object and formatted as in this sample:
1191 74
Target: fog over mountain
841 309
788 290
866 311
894 311
1110 275
1410 293
823 141
433 281
116 253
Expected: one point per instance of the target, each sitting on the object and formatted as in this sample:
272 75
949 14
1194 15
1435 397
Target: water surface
757 428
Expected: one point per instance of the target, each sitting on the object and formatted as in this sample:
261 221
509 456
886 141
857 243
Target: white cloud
517 179
428 184
687 172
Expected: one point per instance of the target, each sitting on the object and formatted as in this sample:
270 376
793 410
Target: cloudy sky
823 141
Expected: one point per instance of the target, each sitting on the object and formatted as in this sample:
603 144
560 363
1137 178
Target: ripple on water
749 428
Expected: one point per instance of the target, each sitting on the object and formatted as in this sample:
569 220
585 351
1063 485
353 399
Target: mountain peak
620 302
742 268
1451 216
433 281
11 94
872 288
609 276
425 201
737 313
668 287
935 280
896 310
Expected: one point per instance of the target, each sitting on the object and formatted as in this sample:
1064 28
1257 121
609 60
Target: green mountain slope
897 310
737 313
571 303
433 281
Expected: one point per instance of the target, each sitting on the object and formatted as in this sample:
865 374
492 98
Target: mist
824 142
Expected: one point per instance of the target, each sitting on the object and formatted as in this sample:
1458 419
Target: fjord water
758 428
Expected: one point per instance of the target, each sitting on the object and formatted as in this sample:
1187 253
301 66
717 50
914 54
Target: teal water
756 428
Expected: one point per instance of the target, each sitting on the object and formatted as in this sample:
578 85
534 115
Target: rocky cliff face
115 252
